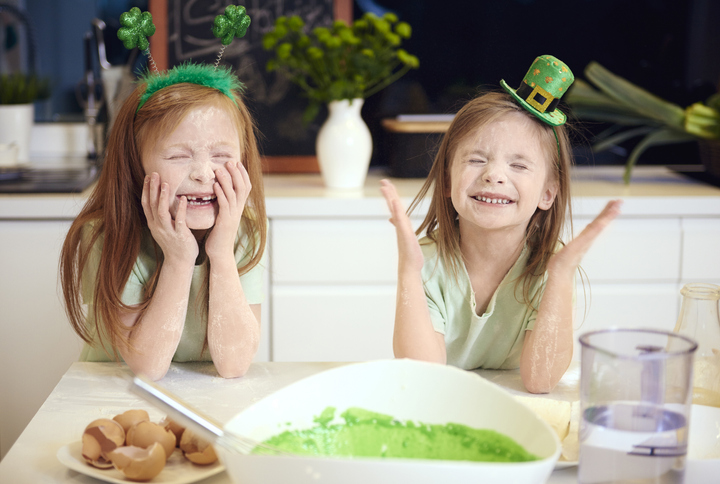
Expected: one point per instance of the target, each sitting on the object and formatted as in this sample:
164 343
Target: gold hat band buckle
540 94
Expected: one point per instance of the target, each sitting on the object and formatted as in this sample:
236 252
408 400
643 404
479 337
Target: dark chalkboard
276 104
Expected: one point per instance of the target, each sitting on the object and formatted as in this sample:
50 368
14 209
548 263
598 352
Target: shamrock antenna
136 27
233 23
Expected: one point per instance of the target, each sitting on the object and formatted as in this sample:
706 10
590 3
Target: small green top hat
543 86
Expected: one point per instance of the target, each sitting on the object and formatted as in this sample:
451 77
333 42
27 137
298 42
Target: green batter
370 434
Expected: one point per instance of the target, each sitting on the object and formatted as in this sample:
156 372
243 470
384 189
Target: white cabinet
37 344
701 250
332 322
333 280
333 289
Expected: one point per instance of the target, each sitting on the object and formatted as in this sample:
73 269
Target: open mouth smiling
495 201
200 201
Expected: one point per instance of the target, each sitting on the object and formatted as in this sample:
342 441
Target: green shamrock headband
137 26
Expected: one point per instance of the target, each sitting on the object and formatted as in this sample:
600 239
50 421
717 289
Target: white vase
344 146
16 121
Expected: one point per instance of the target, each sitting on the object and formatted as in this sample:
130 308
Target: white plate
178 470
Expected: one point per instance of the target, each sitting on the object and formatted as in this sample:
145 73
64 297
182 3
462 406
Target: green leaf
660 137
616 139
634 97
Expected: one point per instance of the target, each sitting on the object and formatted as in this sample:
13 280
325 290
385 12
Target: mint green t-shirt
190 347
492 340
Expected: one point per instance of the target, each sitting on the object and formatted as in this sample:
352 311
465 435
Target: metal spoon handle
178 410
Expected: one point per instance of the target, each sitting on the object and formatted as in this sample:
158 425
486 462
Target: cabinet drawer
701 250
333 251
625 306
330 323
634 250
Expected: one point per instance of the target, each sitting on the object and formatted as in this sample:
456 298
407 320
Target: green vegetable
637 112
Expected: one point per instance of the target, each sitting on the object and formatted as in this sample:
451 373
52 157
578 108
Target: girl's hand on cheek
231 189
173 236
568 258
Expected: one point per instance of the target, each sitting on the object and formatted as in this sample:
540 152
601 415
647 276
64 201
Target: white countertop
89 391
654 191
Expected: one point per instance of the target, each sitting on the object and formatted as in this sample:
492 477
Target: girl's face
500 175
187 159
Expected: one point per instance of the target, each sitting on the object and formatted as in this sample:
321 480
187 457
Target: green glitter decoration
221 79
234 23
136 27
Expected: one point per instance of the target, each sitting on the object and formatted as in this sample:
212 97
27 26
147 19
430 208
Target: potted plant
636 112
340 66
18 92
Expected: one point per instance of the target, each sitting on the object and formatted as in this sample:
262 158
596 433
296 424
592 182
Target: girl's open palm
569 257
173 236
409 252
231 189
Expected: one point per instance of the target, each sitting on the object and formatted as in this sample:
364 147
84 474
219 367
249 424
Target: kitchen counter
654 190
88 391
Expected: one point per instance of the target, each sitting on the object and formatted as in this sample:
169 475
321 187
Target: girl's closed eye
225 155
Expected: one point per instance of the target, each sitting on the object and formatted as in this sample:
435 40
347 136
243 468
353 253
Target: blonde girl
164 262
491 285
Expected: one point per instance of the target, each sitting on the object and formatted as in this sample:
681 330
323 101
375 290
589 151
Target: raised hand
569 257
173 236
232 189
409 252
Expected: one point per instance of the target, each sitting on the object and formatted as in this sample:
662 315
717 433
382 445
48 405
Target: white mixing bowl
406 390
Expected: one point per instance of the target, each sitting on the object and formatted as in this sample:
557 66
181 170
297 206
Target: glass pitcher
699 320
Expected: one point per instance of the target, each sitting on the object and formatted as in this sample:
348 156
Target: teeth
493 200
199 200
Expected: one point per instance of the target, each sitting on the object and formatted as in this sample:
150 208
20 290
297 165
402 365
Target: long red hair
114 210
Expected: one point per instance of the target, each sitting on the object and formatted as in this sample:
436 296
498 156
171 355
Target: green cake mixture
371 434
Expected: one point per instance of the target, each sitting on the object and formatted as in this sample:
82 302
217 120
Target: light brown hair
545 227
114 211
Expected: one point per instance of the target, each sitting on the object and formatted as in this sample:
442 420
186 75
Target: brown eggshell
101 437
174 427
131 417
137 463
144 434
197 450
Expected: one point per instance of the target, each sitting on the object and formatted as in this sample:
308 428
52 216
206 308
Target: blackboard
276 104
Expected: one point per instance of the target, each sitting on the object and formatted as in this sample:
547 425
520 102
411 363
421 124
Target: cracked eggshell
174 427
144 434
101 437
131 417
137 463
197 450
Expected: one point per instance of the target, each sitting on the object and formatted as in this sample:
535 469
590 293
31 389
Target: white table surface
89 391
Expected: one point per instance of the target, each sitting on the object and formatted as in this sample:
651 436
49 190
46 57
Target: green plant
341 61
23 88
636 112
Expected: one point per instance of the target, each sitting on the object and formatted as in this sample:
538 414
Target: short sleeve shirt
192 341
492 340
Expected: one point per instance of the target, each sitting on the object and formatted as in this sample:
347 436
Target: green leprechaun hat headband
137 26
540 91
